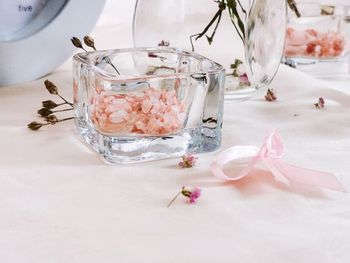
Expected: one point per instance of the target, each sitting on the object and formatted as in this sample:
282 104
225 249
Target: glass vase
145 104
173 22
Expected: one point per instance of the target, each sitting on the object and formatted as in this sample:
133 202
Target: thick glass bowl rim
88 57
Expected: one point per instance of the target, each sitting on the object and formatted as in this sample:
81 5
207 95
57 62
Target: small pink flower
188 161
191 193
243 80
320 104
195 194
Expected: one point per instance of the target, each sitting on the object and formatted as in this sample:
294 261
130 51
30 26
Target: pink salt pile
150 112
311 43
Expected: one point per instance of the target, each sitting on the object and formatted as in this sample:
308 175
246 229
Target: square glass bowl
318 41
144 104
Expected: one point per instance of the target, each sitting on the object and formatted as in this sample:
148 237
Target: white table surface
60 203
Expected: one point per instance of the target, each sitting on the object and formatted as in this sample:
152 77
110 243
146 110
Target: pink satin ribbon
270 154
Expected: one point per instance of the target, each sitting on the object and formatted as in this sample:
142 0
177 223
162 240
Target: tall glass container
173 22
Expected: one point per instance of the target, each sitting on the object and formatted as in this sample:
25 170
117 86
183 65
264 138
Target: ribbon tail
275 170
308 176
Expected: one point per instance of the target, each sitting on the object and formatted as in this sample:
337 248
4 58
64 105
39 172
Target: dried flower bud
51 87
76 42
270 95
89 41
44 112
49 104
164 43
320 104
52 119
35 125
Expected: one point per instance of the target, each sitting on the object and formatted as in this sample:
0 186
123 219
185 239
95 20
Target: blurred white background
117 11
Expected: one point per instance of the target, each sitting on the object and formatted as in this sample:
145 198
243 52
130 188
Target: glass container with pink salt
143 104
317 42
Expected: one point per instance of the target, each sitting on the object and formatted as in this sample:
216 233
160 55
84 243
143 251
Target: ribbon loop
273 146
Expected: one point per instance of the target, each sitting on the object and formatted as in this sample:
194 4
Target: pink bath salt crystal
338 45
312 32
118 100
140 126
146 106
134 99
291 51
152 127
311 48
98 89
290 31
171 98
156 93
118 116
108 99
297 38
325 50
158 109
122 127
113 107
169 119
101 119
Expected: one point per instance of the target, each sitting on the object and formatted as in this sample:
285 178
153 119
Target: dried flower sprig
231 6
234 8
188 161
52 119
44 112
192 194
320 104
47 113
52 89
90 42
49 104
270 95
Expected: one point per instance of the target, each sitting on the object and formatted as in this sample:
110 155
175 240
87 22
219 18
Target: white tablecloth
60 203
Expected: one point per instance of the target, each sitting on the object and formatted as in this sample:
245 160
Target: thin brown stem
61 110
71 104
173 200
108 60
222 7
293 6
66 119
